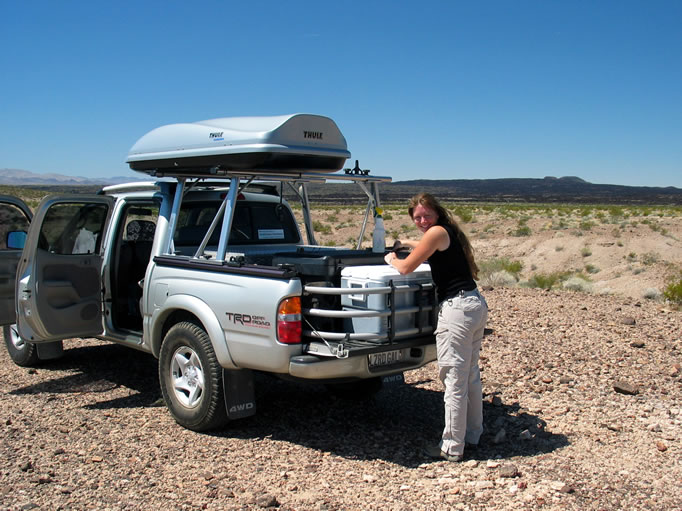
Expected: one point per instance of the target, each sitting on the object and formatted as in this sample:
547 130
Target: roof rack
130 187
301 177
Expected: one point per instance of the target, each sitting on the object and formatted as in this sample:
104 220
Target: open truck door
15 218
59 288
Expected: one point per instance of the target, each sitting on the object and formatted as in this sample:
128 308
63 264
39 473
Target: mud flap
393 380
50 350
240 398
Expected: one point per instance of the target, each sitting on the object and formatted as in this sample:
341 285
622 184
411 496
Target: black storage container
323 263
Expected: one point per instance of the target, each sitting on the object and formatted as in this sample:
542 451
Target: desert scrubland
581 375
633 251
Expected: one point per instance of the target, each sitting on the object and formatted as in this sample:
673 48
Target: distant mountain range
18 177
548 189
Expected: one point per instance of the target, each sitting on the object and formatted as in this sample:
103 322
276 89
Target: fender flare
204 314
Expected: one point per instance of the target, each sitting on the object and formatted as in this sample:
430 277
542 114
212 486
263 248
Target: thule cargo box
279 144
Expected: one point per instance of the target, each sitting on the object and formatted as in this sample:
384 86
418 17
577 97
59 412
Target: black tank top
450 270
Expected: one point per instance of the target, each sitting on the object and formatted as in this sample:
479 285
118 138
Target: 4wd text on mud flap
248 320
241 407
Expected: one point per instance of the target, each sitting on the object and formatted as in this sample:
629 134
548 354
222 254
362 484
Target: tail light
289 321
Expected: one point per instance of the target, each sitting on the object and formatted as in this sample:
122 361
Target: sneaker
434 451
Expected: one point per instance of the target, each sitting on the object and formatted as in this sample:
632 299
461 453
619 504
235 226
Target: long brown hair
446 218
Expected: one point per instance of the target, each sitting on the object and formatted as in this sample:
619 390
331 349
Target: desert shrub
332 219
577 283
631 257
547 280
388 216
586 252
498 279
590 268
650 258
330 243
464 214
586 225
558 248
673 291
501 264
321 228
616 212
522 230
652 294
657 228
559 226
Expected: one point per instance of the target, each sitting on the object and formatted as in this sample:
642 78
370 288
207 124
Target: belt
461 294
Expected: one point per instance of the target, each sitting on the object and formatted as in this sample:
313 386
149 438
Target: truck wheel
191 378
22 353
356 390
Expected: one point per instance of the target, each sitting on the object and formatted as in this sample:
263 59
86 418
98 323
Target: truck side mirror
16 239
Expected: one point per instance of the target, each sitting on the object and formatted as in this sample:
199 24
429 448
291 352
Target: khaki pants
461 321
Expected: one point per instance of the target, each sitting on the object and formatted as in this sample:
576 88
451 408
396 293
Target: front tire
22 353
191 378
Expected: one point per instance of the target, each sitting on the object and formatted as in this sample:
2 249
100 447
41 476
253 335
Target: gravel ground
583 410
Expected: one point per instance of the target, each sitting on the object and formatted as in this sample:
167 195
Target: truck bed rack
422 317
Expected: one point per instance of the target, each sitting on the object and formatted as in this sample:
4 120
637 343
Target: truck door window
13 222
73 228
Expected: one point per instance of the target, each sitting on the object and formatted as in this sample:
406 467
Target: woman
461 319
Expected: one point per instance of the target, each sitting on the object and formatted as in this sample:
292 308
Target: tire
359 390
191 379
22 353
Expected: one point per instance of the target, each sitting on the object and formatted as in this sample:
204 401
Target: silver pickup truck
206 269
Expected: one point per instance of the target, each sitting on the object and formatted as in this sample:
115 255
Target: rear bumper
311 367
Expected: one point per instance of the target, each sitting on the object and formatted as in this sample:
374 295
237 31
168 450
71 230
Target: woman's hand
390 257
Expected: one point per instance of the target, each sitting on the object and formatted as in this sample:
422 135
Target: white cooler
363 277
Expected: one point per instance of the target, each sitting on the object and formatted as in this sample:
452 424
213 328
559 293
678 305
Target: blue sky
438 90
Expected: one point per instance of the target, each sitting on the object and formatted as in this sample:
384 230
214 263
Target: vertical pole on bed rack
230 202
307 219
168 248
364 225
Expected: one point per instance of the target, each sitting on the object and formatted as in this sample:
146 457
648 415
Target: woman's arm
407 243
436 238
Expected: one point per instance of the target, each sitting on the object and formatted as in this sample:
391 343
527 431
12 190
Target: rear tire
191 378
22 353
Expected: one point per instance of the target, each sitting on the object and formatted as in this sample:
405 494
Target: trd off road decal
248 320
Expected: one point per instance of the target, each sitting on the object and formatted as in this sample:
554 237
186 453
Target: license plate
386 358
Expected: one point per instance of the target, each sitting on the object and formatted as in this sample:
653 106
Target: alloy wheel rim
16 340
187 377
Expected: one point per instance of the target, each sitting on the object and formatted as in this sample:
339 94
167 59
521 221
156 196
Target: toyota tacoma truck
205 267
